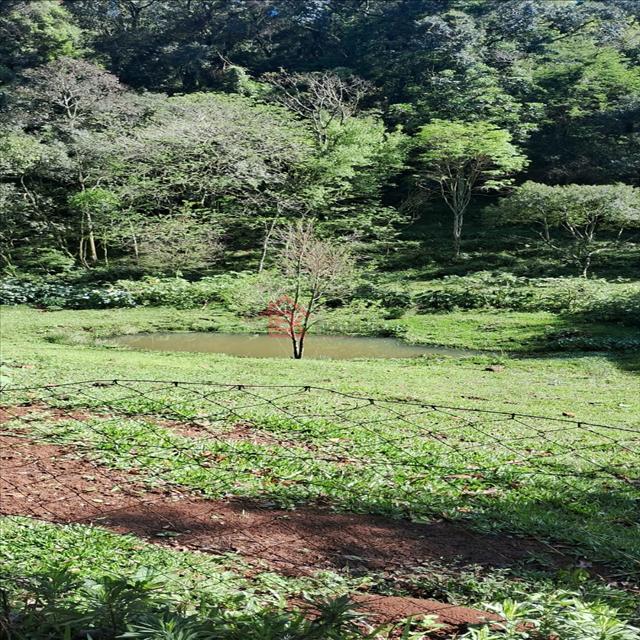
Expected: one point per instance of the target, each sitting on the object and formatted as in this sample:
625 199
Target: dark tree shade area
214 121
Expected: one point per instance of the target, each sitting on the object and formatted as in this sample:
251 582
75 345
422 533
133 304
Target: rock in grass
496 368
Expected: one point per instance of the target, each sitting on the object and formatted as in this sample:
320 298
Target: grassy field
63 346
589 518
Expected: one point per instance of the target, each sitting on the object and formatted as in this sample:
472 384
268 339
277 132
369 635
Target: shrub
594 300
13 291
389 296
235 291
244 293
62 296
623 306
483 290
171 292
44 260
248 293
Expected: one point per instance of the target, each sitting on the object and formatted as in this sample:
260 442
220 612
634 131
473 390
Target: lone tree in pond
311 270
463 158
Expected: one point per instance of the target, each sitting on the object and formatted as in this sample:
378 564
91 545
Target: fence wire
304 478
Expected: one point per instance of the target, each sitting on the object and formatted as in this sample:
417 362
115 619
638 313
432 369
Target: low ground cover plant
50 592
68 581
50 295
600 299
243 293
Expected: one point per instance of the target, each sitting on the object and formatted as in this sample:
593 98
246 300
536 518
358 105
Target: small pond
267 346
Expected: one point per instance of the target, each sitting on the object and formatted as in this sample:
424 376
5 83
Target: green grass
85 582
92 552
48 347
507 331
591 518
402 472
82 576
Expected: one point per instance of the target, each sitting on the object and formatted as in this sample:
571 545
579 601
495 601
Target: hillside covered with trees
408 126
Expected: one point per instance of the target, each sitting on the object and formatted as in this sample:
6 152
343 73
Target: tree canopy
571 218
242 115
464 157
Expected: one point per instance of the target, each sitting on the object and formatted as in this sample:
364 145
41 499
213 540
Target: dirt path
53 483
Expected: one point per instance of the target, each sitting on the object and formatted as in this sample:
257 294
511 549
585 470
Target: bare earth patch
385 609
53 483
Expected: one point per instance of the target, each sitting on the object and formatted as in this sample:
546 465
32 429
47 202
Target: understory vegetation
56 596
615 302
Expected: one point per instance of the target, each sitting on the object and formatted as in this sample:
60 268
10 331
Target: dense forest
157 136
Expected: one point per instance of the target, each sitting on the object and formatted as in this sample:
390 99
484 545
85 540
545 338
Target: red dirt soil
52 483
385 609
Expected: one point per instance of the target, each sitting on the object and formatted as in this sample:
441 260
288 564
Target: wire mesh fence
301 478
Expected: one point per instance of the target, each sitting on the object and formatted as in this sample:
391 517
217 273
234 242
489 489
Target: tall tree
73 110
591 95
33 33
234 161
463 158
321 98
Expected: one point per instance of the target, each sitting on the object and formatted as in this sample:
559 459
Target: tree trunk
105 252
457 195
81 246
297 350
93 252
136 252
81 252
300 346
265 244
458 218
586 264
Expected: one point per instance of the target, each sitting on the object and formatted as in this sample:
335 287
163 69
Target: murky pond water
266 346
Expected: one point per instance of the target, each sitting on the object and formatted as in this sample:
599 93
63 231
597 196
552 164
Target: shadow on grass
514 249
627 361
575 337
309 539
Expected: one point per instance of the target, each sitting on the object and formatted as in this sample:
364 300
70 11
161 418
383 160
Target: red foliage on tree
286 317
